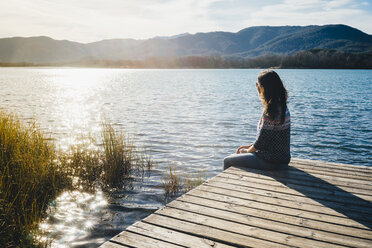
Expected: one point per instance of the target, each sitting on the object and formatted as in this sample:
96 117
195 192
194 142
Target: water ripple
192 118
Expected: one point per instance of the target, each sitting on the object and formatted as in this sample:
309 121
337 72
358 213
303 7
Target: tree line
309 59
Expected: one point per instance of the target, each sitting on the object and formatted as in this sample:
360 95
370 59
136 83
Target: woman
271 148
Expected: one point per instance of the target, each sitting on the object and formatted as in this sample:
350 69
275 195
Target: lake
190 118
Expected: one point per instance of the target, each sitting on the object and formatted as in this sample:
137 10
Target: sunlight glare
76 101
74 215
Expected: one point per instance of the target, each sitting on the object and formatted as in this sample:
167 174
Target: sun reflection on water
77 102
72 218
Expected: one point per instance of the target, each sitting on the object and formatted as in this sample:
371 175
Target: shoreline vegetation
308 59
174 183
34 172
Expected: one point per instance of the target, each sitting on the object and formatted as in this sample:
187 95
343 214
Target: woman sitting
272 146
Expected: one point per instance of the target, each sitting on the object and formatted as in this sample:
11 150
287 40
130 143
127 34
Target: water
193 118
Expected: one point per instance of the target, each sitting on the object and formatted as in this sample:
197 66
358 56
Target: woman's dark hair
274 94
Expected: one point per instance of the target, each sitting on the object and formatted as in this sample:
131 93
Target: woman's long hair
274 94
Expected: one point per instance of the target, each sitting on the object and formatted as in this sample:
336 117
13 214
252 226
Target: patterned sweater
273 139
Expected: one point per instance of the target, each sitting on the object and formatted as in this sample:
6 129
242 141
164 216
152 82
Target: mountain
171 37
249 42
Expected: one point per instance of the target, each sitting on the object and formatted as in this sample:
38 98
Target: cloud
313 12
92 20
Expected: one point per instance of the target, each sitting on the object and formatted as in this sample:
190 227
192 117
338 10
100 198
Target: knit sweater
273 139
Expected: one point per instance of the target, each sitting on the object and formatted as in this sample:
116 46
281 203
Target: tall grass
173 183
34 172
122 158
30 178
82 163
192 180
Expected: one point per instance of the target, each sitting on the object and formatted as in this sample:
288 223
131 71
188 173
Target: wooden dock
311 204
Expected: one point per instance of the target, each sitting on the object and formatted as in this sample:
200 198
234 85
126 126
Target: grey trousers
249 160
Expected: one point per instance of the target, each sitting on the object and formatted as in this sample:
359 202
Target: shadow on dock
325 193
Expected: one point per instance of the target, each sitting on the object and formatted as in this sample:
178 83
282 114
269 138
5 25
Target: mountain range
247 43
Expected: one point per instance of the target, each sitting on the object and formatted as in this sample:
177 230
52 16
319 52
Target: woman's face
259 91
258 87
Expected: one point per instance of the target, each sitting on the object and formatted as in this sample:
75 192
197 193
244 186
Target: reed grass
83 164
30 178
34 172
122 158
192 180
173 183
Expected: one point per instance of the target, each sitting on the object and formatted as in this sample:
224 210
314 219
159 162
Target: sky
93 20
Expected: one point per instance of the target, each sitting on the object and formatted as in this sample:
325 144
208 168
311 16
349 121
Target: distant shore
310 59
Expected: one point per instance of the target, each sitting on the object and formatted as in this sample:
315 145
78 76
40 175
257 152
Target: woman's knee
227 162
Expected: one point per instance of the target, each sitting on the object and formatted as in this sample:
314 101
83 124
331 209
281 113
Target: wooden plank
309 186
133 239
280 216
212 233
361 212
179 238
258 206
334 173
330 201
304 175
332 165
332 193
334 169
288 179
253 220
284 200
335 166
245 229
344 175
294 173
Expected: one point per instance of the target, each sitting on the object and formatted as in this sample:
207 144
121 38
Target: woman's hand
246 149
243 149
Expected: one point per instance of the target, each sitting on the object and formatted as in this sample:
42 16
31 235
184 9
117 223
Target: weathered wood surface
310 204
